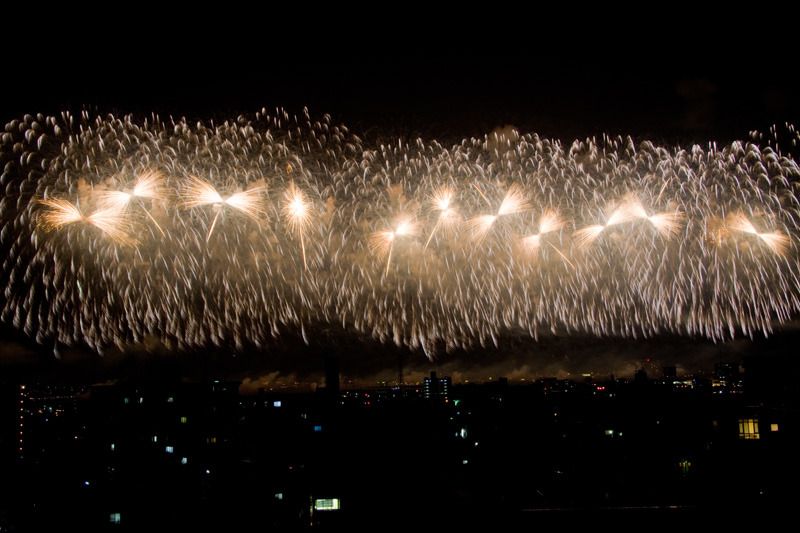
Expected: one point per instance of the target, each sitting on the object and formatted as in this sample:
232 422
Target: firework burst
699 242
382 242
441 200
199 193
297 212
148 186
110 221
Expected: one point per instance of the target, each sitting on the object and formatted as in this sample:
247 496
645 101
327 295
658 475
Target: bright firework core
117 231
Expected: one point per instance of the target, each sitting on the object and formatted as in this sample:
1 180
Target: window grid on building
748 428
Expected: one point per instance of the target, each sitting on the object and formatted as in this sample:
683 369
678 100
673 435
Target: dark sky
670 74
674 76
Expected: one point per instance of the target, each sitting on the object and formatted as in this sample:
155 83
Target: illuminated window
326 504
685 466
114 518
184 460
276 403
211 440
183 420
773 427
748 428
170 449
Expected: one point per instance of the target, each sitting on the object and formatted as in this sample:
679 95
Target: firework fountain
115 231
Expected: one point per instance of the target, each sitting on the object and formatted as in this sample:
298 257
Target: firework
776 241
382 242
549 222
200 193
441 200
513 202
667 224
297 211
148 186
605 238
61 213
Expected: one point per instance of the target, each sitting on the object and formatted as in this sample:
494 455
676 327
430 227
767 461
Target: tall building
726 378
437 389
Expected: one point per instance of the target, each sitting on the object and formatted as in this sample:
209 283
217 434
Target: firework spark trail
717 258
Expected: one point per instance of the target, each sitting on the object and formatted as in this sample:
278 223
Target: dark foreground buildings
200 457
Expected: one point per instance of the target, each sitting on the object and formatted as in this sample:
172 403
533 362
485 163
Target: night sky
676 78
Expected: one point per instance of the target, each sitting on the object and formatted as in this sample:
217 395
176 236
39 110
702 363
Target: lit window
184 460
773 427
155 438
276 403
317 429
170 399
169 449
326 504
113 446
748 428
114 518
183 420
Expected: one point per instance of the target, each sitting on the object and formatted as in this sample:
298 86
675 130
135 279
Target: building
437 389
